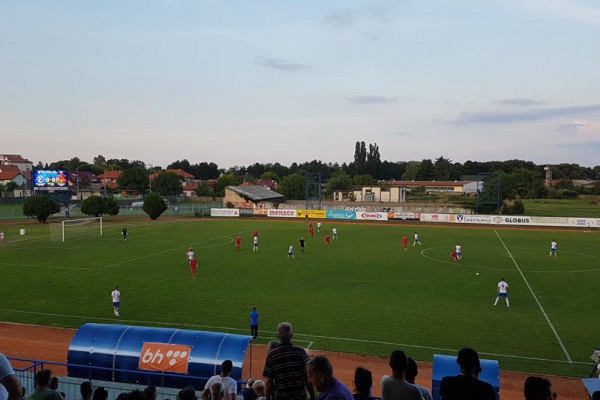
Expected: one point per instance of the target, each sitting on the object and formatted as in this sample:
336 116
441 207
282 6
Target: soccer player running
238 242
311 230
405 242
124 232
302 244
291 252
553 248
502 292
459 251
455 257
327 240
416 239
255 244
116 299
194 266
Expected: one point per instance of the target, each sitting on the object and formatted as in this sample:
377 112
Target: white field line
560 342
310 343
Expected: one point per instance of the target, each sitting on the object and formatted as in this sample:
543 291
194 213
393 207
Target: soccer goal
76 228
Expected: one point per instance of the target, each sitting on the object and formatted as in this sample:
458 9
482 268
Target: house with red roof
108 180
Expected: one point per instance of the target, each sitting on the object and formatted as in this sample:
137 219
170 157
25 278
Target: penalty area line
560 342
307 340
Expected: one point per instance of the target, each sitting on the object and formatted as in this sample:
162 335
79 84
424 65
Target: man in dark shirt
467 385
285 369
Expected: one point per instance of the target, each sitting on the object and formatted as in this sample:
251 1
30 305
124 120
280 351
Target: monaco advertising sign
281 213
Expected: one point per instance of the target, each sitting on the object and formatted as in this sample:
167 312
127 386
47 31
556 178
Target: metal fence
25 369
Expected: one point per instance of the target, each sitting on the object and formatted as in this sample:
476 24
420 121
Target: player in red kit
455 257
311 230
327 238
194 266
405 242
238 242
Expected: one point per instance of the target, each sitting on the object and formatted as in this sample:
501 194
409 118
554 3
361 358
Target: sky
238 82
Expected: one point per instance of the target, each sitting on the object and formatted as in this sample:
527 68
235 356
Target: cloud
340 19
501 117
371 99
517 101
581 128
280 65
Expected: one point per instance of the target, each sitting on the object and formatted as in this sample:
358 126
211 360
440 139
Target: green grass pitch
363 294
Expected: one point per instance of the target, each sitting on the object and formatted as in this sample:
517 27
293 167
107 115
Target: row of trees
523 177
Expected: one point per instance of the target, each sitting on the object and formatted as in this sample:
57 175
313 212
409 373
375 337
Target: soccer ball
477 273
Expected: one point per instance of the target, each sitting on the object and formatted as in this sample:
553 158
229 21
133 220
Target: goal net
76 228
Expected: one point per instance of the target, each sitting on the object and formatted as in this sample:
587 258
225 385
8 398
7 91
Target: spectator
228 384
100 394
54 385
42 389
395 387
189 393
272 345
410 375
320 375
537 388
9 381
285 369
150 392
216 391
248 392
363 384
259 389
467 385
86 391
596 395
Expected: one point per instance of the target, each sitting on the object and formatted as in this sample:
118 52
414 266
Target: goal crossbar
80 222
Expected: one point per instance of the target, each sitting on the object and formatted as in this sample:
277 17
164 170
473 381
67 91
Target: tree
426 171
40 206
204 190
10 188
360 158
411 172
134 179
293 186
154 206
100 161
224 181
364 180
339 181
442 168
270 176
373 164
98 206
167 184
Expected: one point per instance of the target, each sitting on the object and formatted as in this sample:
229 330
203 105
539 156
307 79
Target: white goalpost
75 228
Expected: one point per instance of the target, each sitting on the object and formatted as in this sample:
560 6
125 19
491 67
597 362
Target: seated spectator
100 394
42 389
537 388
363 384
187 393
394 387
272 345
596 395
54 385
320 374
150 392
467 385
247 392
259 389
9 381
216 391
86 391
410 375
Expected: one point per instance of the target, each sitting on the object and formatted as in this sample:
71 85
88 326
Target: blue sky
238 82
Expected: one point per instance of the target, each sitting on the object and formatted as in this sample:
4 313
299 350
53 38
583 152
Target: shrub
154 206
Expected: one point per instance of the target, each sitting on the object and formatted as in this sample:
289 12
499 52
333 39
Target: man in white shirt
553 248
116 299
502 292
10 387
459 251
334 233
228 384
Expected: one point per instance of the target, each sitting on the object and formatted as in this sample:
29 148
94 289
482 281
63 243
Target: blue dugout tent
153 356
